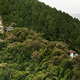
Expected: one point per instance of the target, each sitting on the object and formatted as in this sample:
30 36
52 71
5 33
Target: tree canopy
38 46
27 56
56 25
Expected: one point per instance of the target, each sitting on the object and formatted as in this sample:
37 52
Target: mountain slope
25 55
35 15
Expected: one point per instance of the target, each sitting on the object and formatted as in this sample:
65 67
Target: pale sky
68 6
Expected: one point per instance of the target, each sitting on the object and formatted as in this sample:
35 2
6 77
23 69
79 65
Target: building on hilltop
73 53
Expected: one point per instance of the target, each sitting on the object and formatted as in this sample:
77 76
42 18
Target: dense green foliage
38 47
55 25
25 55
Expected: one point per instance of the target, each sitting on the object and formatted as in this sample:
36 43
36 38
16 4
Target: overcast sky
68 6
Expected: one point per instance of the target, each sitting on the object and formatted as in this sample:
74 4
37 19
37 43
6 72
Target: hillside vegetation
38 47
25 55
56 25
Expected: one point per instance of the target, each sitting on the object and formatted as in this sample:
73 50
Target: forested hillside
25 55
38 46
55 25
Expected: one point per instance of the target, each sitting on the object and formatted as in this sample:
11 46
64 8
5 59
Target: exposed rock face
1 25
